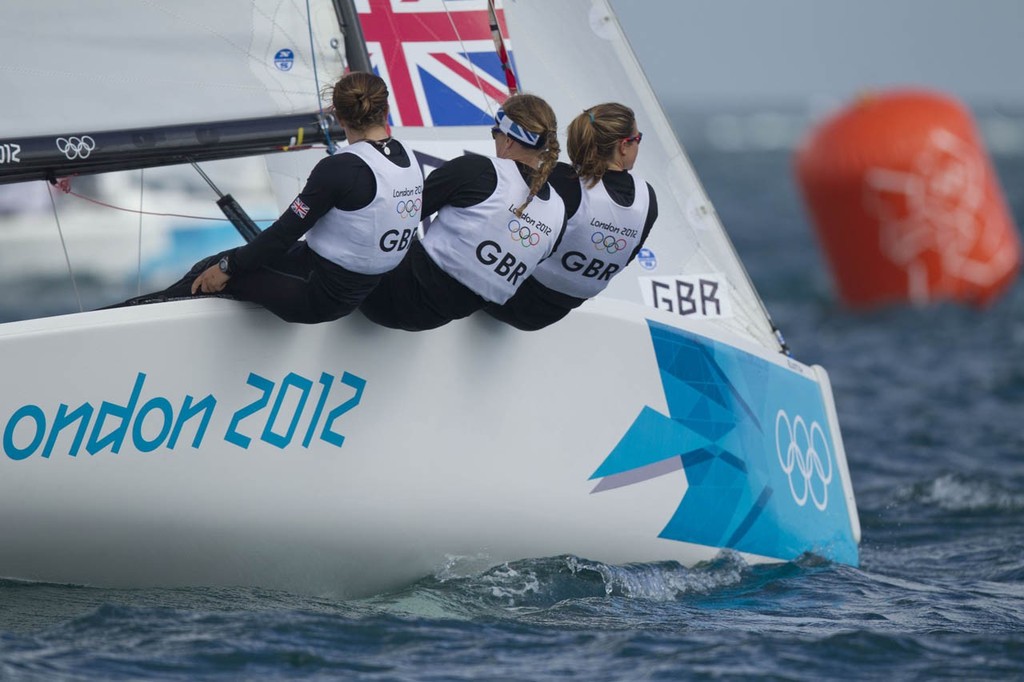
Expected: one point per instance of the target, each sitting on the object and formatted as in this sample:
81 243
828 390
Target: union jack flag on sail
438 59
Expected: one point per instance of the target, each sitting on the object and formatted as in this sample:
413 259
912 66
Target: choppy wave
556 618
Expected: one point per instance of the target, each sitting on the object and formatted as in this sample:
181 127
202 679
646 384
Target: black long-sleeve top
342 181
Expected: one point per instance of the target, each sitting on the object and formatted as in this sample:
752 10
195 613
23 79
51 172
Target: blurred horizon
773 126
820 53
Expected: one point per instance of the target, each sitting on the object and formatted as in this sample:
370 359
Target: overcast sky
698 52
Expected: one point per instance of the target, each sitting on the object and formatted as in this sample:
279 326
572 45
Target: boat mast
356 55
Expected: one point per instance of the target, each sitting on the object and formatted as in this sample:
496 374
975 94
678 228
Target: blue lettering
153 424
140 442
328 434
325 387
303 385
33 412
64 419
187 413
265 385
116 437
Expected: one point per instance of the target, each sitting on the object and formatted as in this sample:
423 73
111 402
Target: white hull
473 440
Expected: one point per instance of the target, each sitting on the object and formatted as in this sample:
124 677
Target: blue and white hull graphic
350 458
762 469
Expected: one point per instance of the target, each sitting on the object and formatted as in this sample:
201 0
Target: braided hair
535 115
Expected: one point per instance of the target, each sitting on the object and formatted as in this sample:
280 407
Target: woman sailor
497 218
610 214
358 211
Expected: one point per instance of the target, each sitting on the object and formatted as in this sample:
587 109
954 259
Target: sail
446 84
688 238
121 64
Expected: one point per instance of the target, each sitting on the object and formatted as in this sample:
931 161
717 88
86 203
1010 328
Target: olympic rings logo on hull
606 242
522 234
76 147
409 208
800 452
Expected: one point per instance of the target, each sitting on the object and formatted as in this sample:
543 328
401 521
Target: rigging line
746 312
138 263
472 66
331 147
154 213
67 258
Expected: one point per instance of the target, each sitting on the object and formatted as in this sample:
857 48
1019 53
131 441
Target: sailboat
206 442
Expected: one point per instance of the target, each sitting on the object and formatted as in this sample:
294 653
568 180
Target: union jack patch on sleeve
299 208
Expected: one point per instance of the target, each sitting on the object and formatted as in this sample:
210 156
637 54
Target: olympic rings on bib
522 234
607 242
408 208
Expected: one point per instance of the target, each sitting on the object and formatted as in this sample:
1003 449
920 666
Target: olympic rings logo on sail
522 234
607 242
800 451
76 147
408 208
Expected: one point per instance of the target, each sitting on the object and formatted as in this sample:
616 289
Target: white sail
599 66
72 66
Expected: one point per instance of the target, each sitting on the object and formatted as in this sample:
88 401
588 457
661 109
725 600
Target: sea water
931 404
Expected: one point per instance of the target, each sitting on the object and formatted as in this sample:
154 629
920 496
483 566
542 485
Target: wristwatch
224 265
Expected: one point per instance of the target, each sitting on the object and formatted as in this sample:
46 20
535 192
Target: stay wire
324 126
472 66
138 262
63 244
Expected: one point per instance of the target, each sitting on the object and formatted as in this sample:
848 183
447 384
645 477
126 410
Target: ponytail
592 138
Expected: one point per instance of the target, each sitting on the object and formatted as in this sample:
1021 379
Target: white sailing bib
486 246
373 239
597 243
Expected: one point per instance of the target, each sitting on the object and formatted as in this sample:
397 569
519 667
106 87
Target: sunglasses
636 138
494 132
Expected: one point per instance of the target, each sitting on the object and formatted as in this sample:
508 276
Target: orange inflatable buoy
906 202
